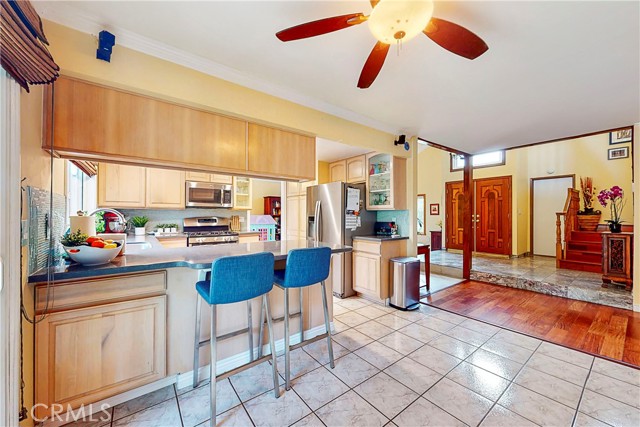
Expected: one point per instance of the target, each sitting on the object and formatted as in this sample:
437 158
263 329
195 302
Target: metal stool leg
196 346
287 384
301 319
212 368
326 324
272 345
250 331
261 330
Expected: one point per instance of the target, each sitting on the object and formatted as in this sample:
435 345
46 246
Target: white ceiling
554 69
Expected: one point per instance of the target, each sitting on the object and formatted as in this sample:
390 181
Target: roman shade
89 168
23 53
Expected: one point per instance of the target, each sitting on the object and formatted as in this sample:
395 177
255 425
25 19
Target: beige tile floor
421 368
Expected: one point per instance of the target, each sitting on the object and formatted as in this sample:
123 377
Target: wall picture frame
434 209
618 153
621 136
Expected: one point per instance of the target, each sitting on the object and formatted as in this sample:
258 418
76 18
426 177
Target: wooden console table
424 250
436 240
617 259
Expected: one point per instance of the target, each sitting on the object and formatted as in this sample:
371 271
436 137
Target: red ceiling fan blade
373 65
455 38
321 26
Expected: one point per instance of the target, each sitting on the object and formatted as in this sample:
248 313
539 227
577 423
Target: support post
467 219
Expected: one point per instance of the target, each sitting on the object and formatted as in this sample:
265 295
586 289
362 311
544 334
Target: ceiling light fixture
393 21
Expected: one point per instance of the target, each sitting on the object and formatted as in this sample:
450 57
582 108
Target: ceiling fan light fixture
395 20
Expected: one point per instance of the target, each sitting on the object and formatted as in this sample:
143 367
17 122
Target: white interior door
549 196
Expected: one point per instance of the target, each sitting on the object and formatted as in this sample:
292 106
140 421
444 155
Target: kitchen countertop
158 257
375 238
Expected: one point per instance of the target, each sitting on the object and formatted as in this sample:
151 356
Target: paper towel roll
86 224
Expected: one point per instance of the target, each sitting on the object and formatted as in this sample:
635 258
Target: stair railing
570 217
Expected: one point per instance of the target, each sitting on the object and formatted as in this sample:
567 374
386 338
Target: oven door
207 195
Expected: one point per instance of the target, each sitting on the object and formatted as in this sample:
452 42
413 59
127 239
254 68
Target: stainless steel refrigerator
335 214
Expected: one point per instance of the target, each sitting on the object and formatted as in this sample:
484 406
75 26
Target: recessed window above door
493 158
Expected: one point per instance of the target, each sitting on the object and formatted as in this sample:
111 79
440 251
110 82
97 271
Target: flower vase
615 227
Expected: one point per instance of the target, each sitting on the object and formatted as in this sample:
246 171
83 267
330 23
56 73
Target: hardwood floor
597 329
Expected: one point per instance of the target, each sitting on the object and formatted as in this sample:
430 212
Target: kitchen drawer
367 246
89 292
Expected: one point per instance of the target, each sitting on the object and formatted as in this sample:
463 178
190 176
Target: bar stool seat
304 267
234 279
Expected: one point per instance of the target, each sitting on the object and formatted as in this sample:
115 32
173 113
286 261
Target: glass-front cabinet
241 193
386 176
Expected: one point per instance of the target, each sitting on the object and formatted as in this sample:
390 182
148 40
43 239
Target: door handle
316 216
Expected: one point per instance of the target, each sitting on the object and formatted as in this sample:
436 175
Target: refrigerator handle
317 221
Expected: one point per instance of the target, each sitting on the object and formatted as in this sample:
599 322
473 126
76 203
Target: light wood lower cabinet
371 265
87 354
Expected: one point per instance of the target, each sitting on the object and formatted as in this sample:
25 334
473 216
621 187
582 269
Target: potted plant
174 228
139 222
614 196
588 218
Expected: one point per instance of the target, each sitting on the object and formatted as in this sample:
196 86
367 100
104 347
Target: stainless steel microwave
208 195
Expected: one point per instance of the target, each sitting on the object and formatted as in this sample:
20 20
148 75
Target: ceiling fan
394 21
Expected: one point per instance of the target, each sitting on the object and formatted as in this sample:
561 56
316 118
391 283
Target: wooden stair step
586 256
591 236
584 246
581 266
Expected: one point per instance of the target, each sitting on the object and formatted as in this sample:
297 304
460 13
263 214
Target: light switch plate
24 232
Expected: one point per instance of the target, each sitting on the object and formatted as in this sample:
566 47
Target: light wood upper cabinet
242 194
121 186
93 119
165 189
198 176
278 153
356 169
338 171
88 354
208 177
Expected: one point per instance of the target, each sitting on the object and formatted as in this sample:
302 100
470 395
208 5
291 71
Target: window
494 158
81 191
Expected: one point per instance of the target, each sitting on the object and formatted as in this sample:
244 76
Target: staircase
583 251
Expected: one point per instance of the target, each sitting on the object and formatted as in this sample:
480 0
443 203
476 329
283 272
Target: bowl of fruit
90 251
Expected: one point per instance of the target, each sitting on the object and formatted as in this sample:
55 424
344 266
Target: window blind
23 51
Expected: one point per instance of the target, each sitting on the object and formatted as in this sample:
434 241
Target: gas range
208 231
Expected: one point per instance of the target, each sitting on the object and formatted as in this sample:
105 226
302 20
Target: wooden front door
493 215
453 215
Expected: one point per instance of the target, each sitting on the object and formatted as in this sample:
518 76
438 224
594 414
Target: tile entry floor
535 273
422 368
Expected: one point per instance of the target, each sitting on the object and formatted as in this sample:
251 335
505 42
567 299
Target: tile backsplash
401 219
164 216
40 221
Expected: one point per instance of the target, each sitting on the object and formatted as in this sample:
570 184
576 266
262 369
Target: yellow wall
35 166
260 189
581 156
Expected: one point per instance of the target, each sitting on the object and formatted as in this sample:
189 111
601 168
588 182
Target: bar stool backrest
306 267
240 278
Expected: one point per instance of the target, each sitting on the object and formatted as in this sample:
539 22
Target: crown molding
71 17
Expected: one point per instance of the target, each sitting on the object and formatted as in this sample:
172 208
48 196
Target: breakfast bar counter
158 258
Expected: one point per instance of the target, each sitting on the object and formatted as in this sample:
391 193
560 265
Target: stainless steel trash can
405 280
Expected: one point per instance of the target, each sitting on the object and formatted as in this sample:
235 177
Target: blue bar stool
305 267
234 279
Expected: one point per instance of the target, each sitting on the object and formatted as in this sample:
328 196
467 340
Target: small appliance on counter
385 229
